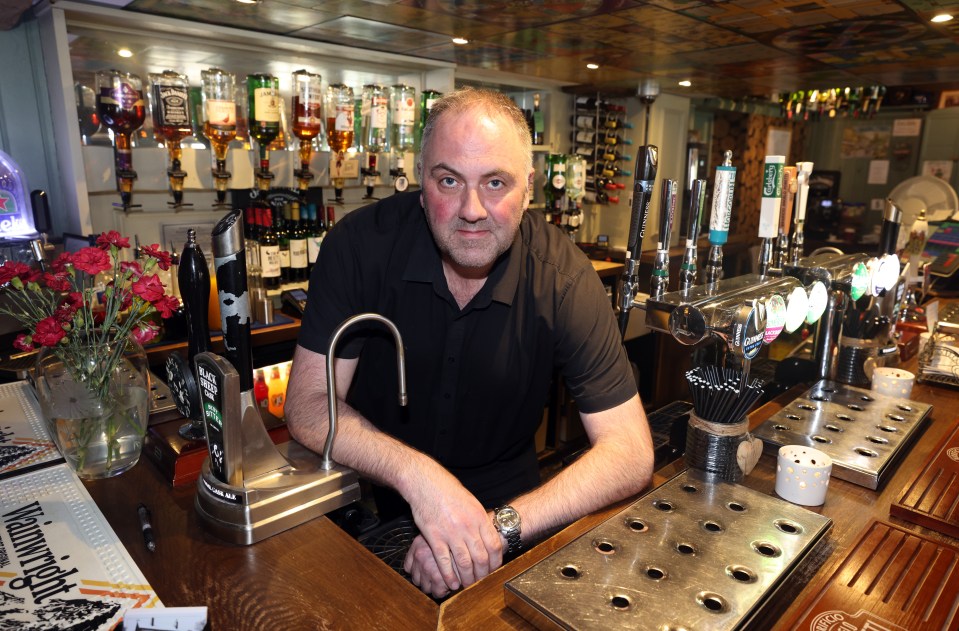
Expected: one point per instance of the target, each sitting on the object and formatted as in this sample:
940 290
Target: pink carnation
144 333
23 342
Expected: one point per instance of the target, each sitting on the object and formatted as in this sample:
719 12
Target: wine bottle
538 122
330 217
375 115
263 94
281 222
600 197
339 117
298 249
403 98
314 236
269 250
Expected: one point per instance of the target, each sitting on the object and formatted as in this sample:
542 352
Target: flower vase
94 394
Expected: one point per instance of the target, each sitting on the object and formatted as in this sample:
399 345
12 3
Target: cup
892 382
802 475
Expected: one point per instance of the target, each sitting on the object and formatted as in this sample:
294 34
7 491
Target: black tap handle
41 210
193 276
647 159
229 259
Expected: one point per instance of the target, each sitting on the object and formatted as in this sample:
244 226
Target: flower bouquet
92 378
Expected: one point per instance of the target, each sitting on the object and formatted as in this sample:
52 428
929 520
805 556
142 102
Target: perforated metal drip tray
864 433
691 554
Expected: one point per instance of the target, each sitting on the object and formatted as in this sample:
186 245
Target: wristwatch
507 522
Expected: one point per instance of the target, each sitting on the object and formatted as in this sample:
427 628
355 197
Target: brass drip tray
864 433
691 554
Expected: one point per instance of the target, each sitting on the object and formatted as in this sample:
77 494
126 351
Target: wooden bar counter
315 576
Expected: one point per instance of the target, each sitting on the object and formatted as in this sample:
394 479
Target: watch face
507 518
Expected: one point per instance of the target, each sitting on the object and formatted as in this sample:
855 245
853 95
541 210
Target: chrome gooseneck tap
803 171
659 282
687 271
327 462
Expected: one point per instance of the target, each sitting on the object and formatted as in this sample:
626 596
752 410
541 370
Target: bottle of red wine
269 251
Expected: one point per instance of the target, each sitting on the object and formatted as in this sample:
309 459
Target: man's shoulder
551 247
387 214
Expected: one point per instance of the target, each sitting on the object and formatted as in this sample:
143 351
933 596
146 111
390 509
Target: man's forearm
618 465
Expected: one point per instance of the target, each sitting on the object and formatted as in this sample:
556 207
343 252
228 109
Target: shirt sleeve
590 351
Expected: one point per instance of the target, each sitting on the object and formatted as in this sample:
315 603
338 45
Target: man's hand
464 545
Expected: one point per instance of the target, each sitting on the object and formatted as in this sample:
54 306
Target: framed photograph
949 98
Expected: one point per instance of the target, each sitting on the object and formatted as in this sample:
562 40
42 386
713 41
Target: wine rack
600 135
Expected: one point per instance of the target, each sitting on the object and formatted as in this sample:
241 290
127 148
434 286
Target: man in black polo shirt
489 300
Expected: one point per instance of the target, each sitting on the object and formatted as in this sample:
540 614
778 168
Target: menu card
24 441
61 565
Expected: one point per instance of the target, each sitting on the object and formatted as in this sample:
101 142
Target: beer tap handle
193 277
647 159
697 198
659 283
229 259
889 233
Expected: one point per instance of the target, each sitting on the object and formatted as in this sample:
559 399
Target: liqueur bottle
263 97
307 121
219 123
122 110
172 122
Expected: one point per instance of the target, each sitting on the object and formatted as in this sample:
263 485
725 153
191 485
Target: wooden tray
932 498
893 580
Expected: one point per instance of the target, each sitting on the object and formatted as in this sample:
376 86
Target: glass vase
94 395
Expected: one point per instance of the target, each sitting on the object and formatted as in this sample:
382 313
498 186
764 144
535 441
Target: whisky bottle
263 94
170 102
307 120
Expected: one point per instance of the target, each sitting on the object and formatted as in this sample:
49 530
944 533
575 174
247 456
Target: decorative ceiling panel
725 46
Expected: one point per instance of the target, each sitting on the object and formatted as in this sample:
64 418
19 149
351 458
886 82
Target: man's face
475 188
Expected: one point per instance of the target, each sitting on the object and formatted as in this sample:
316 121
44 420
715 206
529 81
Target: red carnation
49 332
148 287
59 281
133 267
112 238
65 311
60 263
74 299
92 261
15 269
23 342
163 258
99 316
144 334
166 305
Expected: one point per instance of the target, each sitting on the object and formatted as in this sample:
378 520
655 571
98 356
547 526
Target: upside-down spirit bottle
338 108
403 98
170 101
122 110
219 122
307 120
263 94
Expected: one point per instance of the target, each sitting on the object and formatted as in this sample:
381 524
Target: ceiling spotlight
460 41
125 52
942 17
247 1
592 66
685 83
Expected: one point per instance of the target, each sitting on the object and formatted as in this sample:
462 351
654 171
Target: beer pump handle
889 233
647 159
229 259
193 276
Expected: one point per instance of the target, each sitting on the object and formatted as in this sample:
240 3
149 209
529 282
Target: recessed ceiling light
592 66
125 52
461 41
685 83
247 1
942 17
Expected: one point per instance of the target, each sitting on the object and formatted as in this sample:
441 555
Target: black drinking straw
722 395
